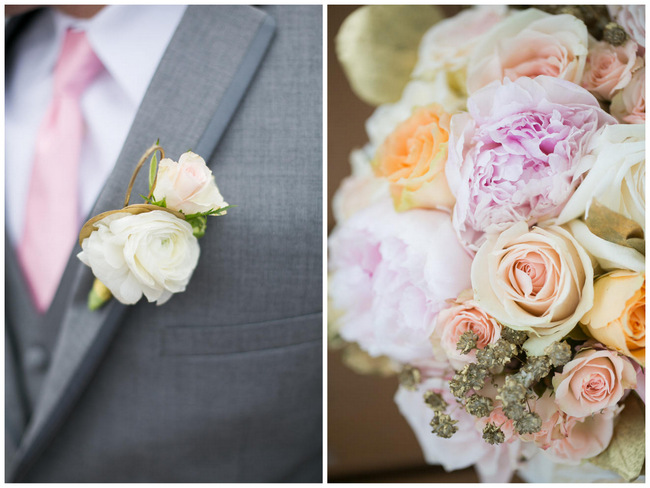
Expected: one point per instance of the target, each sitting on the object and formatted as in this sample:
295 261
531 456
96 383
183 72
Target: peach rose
618 316
187 185
464 315
609 68
539 281
628 105
530 43
593 381
413 160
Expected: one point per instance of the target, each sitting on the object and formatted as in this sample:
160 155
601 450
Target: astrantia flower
390 275
518 154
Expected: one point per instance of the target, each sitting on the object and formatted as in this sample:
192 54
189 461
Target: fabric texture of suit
224 382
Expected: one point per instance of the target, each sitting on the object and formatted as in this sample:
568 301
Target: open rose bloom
491 243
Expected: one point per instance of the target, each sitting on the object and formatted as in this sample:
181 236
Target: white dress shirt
130 41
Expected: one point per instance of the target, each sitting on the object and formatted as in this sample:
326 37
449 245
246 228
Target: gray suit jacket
222 383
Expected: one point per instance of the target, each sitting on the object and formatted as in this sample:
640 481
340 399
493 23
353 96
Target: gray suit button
36 358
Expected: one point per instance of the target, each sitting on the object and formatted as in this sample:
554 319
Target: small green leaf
199 225
157 142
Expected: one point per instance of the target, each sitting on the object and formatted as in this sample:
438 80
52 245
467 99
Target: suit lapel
187 105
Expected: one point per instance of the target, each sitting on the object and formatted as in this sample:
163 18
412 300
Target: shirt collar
130 40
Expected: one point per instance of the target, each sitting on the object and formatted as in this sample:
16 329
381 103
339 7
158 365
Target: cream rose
464 315
593 381
618 316
539 281
628 105
617 177
609 68
530 43
152 253
187 185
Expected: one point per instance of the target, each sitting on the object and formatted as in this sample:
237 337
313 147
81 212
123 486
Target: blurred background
368 439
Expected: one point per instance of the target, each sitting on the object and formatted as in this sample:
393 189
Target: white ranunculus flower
417 93
539 281
152 253
187 185
617 177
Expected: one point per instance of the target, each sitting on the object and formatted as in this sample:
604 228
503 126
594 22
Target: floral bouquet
490 244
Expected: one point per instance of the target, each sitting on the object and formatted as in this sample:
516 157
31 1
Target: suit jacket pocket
241 338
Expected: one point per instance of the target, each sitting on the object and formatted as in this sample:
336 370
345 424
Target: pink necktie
51 217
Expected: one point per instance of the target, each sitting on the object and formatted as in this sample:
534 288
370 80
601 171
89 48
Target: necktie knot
77 65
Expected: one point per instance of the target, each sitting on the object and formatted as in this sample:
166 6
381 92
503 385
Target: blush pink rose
593 381
628 105
571 440
187 185
391 274
464 315
609 68
518 155
530 43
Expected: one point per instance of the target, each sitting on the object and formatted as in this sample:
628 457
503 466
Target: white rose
610 256
154 253
187 186
539 281
417 93
617 177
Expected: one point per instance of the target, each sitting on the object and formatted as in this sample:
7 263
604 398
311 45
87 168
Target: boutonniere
152 248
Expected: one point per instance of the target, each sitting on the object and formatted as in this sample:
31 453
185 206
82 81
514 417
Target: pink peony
593 381
464 315
518 154
609 68
390 275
